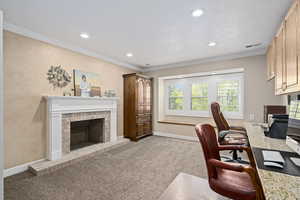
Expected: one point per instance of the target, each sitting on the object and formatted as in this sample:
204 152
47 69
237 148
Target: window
199 98
191 95
175 97
228 95
294 110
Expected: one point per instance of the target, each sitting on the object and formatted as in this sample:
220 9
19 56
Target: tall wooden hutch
138 92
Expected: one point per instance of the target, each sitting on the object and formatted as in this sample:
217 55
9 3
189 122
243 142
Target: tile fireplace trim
57 106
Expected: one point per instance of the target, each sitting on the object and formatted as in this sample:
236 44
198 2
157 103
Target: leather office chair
228 135
221 122
235 181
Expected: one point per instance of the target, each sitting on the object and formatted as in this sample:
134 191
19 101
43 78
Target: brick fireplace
77 122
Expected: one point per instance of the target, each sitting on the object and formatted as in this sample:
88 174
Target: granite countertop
277 186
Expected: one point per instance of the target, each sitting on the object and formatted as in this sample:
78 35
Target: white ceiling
157 32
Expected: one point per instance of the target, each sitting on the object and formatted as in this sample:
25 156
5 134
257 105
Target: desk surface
276 185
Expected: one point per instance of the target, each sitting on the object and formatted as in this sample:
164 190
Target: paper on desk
273 156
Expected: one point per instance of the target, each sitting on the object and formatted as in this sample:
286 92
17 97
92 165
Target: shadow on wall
40 118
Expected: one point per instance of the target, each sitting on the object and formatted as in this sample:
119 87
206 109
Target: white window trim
199 77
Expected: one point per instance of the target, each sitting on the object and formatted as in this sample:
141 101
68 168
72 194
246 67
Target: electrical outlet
251 117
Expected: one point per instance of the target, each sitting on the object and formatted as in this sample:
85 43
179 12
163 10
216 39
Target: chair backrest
220 121
208 140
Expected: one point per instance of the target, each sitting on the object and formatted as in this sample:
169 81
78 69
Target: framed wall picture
86 84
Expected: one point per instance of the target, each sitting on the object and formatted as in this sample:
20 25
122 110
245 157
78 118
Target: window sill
227 116
199 115
178 123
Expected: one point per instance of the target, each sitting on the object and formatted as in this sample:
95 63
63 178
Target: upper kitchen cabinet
279 61
291 82
271 56
287 49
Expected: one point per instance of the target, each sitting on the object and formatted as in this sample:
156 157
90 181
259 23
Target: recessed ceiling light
212 44
197 13
84 35
129 55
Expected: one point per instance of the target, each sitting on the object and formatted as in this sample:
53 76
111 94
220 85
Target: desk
276 186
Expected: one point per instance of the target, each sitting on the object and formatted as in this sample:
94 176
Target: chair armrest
238 128
240 148
238 131
233 147
225 165
242 168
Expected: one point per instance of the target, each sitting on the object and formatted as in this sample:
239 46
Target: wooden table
188 187
277 186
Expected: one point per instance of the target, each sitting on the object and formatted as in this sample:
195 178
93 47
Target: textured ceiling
157 32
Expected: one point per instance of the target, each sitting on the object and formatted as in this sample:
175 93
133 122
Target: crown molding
211 73
260 51
37 36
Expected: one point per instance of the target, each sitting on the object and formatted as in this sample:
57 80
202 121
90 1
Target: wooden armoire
138 92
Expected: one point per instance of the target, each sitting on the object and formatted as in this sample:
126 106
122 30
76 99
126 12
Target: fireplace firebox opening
87 132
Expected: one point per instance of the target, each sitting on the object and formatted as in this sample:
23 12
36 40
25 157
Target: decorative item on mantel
58 77
67 93
110 93
86 84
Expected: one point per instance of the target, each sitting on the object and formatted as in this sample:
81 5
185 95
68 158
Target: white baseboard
120 137
172 135
20 168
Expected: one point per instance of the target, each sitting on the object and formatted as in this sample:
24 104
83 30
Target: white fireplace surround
59 105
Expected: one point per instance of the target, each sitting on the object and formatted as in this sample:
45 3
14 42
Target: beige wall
26 62
258 92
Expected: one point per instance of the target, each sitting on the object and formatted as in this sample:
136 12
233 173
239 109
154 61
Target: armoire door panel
147 128
140 119
148 117
140 129
140 95
140 109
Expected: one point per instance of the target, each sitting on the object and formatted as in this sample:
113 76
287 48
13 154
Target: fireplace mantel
59 105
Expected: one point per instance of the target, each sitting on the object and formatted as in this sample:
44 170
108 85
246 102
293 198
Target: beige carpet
136 171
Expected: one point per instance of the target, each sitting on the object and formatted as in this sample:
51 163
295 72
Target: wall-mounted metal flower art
58 77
